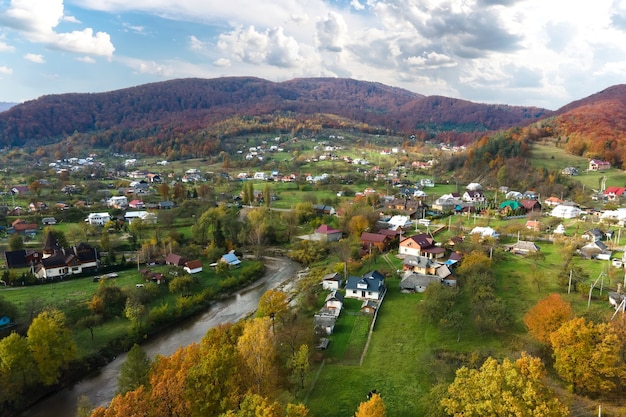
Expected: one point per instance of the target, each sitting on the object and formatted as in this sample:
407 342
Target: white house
118 202
98 219
565 212
369 287
485 232
331 281
145 216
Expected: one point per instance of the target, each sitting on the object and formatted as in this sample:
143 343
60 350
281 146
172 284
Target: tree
358 224
547 316
16 242
181 285
164 191
438 303
90 322
502 389
300 364
135 371
84 407
134 311
51 344
374 407
258 356
16 361
588 356
273 304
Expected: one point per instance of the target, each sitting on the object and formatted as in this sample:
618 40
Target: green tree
438 303
135 371
273 304
134 311
16 242
51 344
181 285
90 322
299 364
16 362
502 389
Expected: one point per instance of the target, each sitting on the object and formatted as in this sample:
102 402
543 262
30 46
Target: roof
230 258
411 282
366 284
334 295
195 264
422 240
174 259
419 261
327 230
372 237
334 276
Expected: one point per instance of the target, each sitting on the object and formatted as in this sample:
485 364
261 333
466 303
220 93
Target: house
98 219
324 323
418 282
421 245
563 211
599 165
484 232
328 234
67 261
509 206
334 301
193 267
366 287
473 196
20 226
530 205
20 190
166 205
374 239
331 281
533 225
369 307
571 171
144 216
552 201
137 204
22 258
323 210
231 259
614 193
173 259
120 202
559 230
420 264
400 222
524 247
48 221
448 202
593 235
596 250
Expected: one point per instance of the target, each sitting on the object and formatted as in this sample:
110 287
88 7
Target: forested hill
192 105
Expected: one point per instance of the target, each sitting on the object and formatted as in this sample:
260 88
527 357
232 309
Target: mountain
6 106
594 126
190 106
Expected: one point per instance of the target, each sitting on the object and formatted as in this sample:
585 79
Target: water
100 387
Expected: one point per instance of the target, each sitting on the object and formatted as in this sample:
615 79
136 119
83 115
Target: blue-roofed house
368 287
231 259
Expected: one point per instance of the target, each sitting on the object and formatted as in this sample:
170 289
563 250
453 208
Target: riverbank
100 385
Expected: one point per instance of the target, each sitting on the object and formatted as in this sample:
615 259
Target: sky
543 53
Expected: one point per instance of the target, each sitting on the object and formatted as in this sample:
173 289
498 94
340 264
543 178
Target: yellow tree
358 224
588 356
51 345
273 304
374 407
257 355
547 316
502 389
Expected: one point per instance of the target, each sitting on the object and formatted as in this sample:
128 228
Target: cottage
98 219
334 301
369 240
174 259
599 165
326 233
523 247
365 288
193 267
331 281
369 307
563 211
421 245
484 232
418 282
67 261
231 259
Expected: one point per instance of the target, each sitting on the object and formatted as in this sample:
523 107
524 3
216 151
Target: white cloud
86 59
70 19
4 47
196 44
36 58
6 70
37 19
331 32
222 63
356 5
271 47
431 60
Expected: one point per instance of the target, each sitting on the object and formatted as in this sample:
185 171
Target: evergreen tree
135 371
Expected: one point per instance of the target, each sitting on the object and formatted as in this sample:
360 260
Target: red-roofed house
530 205
328 234
552 201
534 225
374 239
598 165
613 193
421 245
193 267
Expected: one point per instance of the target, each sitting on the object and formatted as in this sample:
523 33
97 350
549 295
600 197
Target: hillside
595 127
190 108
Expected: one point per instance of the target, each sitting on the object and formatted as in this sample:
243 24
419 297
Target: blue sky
545 53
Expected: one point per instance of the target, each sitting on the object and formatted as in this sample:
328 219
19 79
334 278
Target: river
100 387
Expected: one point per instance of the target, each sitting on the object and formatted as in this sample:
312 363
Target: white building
118 202
98 219
146 217
565 212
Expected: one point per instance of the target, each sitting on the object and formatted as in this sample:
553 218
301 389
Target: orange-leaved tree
547 316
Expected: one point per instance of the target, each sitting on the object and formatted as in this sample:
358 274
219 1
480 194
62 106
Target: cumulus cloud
70 19
357 5
222 63
4 47
36 58
270 46
6 70
331 32
431 60
38 19
196 44
86 59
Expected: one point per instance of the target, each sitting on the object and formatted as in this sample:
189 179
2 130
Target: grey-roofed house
369 306
324 323
365 288
419 264
524 247
331 281
334 300
418 282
